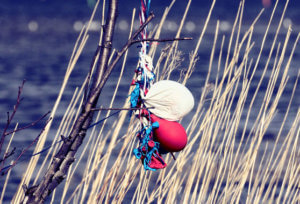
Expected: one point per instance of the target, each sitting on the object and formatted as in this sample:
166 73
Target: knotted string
148 148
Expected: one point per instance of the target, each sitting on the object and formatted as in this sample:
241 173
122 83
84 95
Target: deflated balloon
171 100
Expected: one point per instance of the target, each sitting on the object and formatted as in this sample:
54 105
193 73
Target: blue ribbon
134 96
143 149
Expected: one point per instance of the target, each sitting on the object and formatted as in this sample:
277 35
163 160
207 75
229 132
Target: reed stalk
226 160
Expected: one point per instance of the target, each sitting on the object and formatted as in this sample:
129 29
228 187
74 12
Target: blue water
37 39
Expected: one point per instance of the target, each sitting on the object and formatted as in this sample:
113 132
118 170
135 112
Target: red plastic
170 134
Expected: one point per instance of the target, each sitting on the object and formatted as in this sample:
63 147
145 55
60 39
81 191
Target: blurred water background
37 38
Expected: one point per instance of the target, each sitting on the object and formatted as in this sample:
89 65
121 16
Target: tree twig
65 156
28 126
25 150
161 40
9 120
120 53
172 154
86 88
5 157
10 117
99 109
8 154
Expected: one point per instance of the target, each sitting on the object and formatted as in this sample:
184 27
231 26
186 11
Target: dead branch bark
65 156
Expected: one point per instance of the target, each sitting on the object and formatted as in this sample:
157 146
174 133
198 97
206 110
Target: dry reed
219 164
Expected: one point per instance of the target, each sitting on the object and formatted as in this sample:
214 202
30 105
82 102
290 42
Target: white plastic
171 100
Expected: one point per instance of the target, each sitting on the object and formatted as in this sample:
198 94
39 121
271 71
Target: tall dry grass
219 164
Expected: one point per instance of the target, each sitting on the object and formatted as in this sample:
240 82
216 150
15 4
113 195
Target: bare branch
66 154
9 120
172 154
160 40
86 88
10 117
130 42
25 150
125 47
8 154
28 126
98 109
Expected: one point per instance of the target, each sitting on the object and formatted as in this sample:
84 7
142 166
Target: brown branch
129 43
172 154
9 120
65 156
10 117
5 157
8 154
99 109
124 49
86 88
161 40
28 126
25 150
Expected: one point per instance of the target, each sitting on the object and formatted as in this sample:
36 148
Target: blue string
134 96
148 8
6 167
45 149
143 149
148 157
100 121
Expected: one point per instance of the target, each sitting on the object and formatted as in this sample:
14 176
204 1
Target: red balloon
170 134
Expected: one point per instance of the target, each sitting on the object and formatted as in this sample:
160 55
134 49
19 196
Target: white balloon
171 100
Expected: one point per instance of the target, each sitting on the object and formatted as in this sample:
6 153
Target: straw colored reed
219 164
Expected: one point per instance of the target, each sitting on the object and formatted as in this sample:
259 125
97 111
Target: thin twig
66 154
98 109
130 42
28 126
26 149
8 154
123 50
172 154
87 85
160 40
10 117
